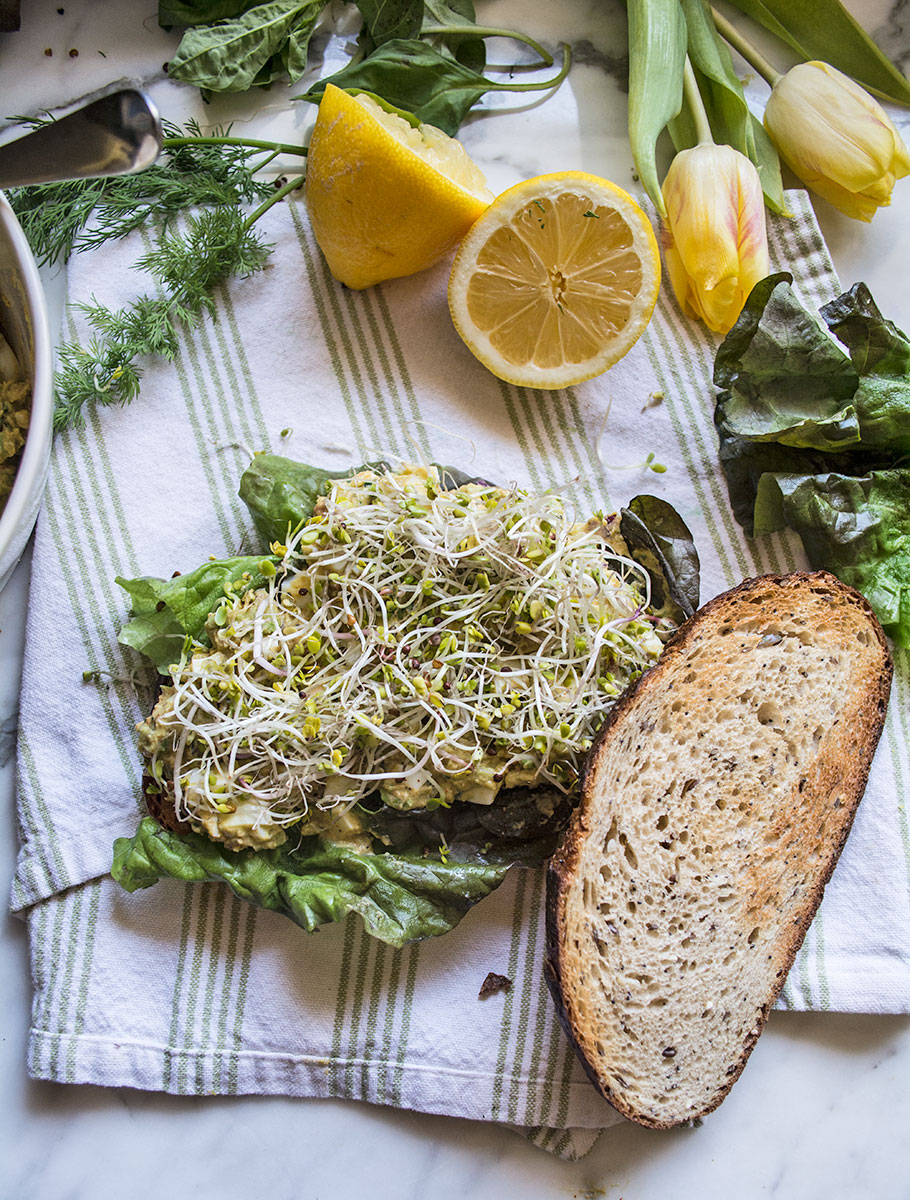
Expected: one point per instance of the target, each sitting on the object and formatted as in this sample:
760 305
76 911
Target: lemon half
386 199
556 281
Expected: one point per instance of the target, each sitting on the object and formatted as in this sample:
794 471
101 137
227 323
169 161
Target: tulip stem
732 35
696 105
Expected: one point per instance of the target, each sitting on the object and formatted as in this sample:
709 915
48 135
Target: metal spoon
116 135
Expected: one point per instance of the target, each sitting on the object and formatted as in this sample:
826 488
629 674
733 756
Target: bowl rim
40 427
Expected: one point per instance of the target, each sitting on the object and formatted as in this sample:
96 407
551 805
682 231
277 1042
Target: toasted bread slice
715 804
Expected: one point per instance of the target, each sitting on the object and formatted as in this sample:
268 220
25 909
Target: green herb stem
545 85
291 186
486 31
744 47
696 104
173 143
260 166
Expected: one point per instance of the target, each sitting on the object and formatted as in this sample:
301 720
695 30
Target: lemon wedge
386 199
556 281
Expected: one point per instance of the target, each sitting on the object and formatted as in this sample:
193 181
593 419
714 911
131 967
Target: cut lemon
556 281
386 199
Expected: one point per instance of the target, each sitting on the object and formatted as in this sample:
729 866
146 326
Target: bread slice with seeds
715 804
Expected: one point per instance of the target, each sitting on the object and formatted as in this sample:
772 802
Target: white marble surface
822 1109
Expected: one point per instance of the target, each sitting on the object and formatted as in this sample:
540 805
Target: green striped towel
186 989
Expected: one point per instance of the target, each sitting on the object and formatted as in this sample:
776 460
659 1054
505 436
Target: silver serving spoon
116 135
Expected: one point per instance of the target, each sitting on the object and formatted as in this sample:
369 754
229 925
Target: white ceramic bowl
23 321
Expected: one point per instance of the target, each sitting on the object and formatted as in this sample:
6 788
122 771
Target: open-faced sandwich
392 705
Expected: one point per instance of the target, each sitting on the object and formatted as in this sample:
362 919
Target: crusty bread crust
728 857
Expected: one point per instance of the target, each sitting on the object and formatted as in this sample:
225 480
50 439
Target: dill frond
60 219
212 174
101 373
215 246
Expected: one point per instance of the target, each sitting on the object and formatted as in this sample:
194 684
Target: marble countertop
822 1109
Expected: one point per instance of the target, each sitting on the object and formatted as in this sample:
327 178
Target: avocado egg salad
391 707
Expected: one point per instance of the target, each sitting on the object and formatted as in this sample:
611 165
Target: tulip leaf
760 149
823 29
657 55
725 104
711 57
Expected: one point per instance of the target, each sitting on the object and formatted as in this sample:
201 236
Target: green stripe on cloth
239 1010
237 911
518 918
407 1011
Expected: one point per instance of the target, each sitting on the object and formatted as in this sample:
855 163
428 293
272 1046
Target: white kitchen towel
187 989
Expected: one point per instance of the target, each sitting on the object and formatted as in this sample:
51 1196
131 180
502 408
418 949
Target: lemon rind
499 213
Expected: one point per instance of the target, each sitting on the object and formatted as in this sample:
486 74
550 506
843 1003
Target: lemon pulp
556 281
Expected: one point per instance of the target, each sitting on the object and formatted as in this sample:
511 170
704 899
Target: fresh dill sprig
216 244
214 173
199 170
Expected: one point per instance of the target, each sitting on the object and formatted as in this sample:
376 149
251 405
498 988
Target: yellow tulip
836 138
715 242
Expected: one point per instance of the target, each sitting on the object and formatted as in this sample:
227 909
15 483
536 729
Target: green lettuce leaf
880 353
785 379
165 611
744 463
815 439
281 493
400 897
858 528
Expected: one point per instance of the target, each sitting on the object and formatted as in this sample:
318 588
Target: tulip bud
715 243
836 138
